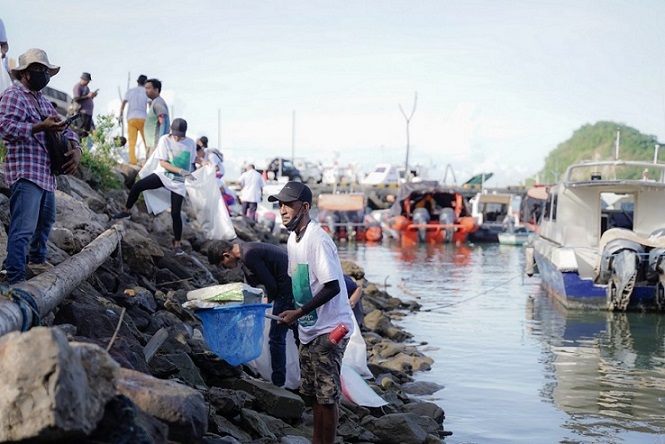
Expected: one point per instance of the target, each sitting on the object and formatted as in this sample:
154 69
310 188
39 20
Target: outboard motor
421 216
330 223
618 269
656 270
447 217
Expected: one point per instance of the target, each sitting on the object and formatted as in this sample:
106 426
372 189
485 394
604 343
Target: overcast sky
500 83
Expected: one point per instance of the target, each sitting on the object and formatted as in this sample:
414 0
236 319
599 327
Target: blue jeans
26 201
277 340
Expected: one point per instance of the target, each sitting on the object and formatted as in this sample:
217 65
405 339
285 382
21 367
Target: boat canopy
413 192
495 198
342 202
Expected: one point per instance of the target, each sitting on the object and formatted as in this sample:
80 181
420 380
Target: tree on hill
597 142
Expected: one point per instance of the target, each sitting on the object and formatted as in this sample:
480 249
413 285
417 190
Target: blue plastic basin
234 333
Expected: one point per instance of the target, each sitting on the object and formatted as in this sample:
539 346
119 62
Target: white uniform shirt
180 154
312 262
252 186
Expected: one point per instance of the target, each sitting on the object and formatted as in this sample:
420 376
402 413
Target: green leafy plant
100 154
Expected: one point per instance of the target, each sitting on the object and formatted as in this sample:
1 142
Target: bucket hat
86 76
34 55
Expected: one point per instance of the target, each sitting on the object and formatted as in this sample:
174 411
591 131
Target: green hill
597 142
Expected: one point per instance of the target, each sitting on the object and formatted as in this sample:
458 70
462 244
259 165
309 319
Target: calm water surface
517 368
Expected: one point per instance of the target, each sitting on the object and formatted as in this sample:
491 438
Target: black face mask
38 80
293 223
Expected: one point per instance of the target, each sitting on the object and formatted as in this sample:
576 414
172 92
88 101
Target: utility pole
293 137
407 175
219 129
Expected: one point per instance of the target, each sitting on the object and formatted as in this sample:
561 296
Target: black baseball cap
291 192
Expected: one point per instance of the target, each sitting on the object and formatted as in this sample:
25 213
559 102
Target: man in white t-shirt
251 191
176 154
136 101
321 305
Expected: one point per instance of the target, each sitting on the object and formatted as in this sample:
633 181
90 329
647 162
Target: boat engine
421 216
656 270
619 266
447 217
330 223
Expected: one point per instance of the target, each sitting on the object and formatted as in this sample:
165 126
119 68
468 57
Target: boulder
378 322
428 409
226 402
181 407
227 429
139 251
251 421
396 428
409 363
421 388
274 401
49 390
124 422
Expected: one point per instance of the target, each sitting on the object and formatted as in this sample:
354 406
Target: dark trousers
152 182
277 340
249 209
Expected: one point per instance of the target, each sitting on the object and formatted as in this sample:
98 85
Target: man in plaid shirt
28 165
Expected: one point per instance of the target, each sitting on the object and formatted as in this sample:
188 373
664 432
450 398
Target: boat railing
613 170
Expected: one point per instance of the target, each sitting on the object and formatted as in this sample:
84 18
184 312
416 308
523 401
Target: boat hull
574 291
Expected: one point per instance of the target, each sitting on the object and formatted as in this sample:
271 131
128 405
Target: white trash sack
206 198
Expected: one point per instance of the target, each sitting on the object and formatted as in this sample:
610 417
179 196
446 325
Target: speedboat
343 217
425 213
494 213
600 241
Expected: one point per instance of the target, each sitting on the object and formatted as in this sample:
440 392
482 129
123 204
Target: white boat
494 213
601 238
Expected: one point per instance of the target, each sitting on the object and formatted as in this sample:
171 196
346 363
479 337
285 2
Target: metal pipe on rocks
50 288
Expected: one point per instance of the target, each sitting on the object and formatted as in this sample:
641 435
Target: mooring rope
440 306
26 303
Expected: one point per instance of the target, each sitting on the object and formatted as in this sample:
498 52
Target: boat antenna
616 144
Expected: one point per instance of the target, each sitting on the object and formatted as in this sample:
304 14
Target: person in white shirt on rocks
251 191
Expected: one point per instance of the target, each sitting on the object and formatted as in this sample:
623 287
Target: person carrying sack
27 164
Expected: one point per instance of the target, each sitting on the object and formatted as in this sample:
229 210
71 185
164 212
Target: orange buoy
468 224
374 234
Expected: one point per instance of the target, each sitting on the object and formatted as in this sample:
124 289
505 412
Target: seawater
516 366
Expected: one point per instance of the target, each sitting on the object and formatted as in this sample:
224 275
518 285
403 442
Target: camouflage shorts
320 364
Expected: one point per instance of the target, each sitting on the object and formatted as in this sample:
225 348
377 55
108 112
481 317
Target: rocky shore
120 360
